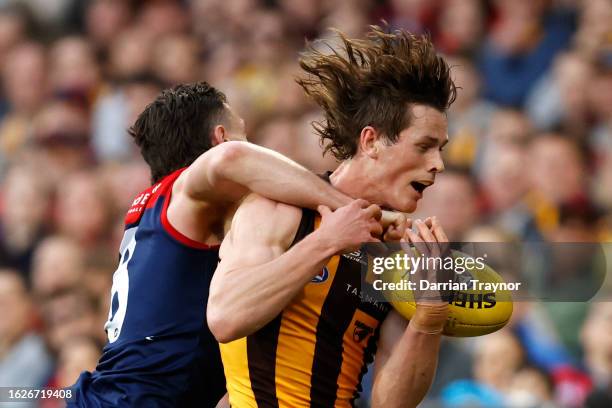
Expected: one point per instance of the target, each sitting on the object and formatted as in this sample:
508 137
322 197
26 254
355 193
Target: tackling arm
230 170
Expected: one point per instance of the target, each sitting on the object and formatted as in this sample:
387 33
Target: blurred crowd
529 159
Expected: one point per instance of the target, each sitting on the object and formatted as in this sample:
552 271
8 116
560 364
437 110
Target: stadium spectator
105 20
81 209
24 83
523 42
74 69
75 74
23 357
596 338
23 219
58 265
61 139
453 200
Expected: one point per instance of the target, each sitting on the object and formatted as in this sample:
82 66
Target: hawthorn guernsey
157 344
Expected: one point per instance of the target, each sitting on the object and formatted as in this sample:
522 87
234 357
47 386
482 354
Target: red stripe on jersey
173 232
138 206
148 198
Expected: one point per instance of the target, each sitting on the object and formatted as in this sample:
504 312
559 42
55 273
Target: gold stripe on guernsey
235 364
356 338
297 340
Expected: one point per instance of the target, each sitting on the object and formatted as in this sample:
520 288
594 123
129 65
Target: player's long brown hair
372 82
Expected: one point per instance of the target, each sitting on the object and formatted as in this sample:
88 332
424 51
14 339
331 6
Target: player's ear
219 135
369 142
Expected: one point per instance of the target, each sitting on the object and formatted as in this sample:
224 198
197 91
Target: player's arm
230 170
224 402
406 359
258 275
407 356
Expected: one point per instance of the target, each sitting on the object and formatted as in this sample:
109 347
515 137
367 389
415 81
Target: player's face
408 167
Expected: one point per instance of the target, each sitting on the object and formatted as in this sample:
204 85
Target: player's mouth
420 186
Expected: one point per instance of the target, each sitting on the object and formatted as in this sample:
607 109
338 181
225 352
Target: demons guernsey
160 352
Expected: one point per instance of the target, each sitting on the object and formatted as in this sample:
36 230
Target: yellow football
479 300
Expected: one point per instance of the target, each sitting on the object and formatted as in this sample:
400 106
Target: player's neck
352 179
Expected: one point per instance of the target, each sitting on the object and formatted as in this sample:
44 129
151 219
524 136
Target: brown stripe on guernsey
261 353
336 315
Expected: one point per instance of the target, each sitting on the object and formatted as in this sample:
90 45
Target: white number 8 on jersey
120 289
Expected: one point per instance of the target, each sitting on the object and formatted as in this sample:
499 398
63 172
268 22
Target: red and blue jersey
160 352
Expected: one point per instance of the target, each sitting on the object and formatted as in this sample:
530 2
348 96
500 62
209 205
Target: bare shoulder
179 186
196 219
263 222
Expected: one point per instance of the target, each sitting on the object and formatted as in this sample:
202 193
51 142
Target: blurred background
529 158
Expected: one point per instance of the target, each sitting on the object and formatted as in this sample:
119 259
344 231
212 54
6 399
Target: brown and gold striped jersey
316 351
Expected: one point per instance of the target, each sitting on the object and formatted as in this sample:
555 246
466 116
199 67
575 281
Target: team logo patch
361 331
322 276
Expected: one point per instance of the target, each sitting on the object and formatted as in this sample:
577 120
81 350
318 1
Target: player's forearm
243 300
279 178
407 375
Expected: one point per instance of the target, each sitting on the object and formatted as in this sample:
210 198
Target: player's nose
436 164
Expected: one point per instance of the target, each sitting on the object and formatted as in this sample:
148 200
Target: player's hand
431 242
350 226
394 225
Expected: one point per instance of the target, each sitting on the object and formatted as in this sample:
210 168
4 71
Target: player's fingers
440 235
404 237
323 210
392 218
361 203
394 233
396 230
433 245
375 228
438 231
373 239
418 242
425 234
408 223
373 211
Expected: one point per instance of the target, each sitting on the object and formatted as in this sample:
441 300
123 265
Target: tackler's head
182 123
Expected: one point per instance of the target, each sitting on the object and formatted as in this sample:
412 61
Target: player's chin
405 204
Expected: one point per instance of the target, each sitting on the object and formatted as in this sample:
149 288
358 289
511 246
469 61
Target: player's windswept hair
176 128
372 82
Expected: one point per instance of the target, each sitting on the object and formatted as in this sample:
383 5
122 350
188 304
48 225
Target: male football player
286 301
160 352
